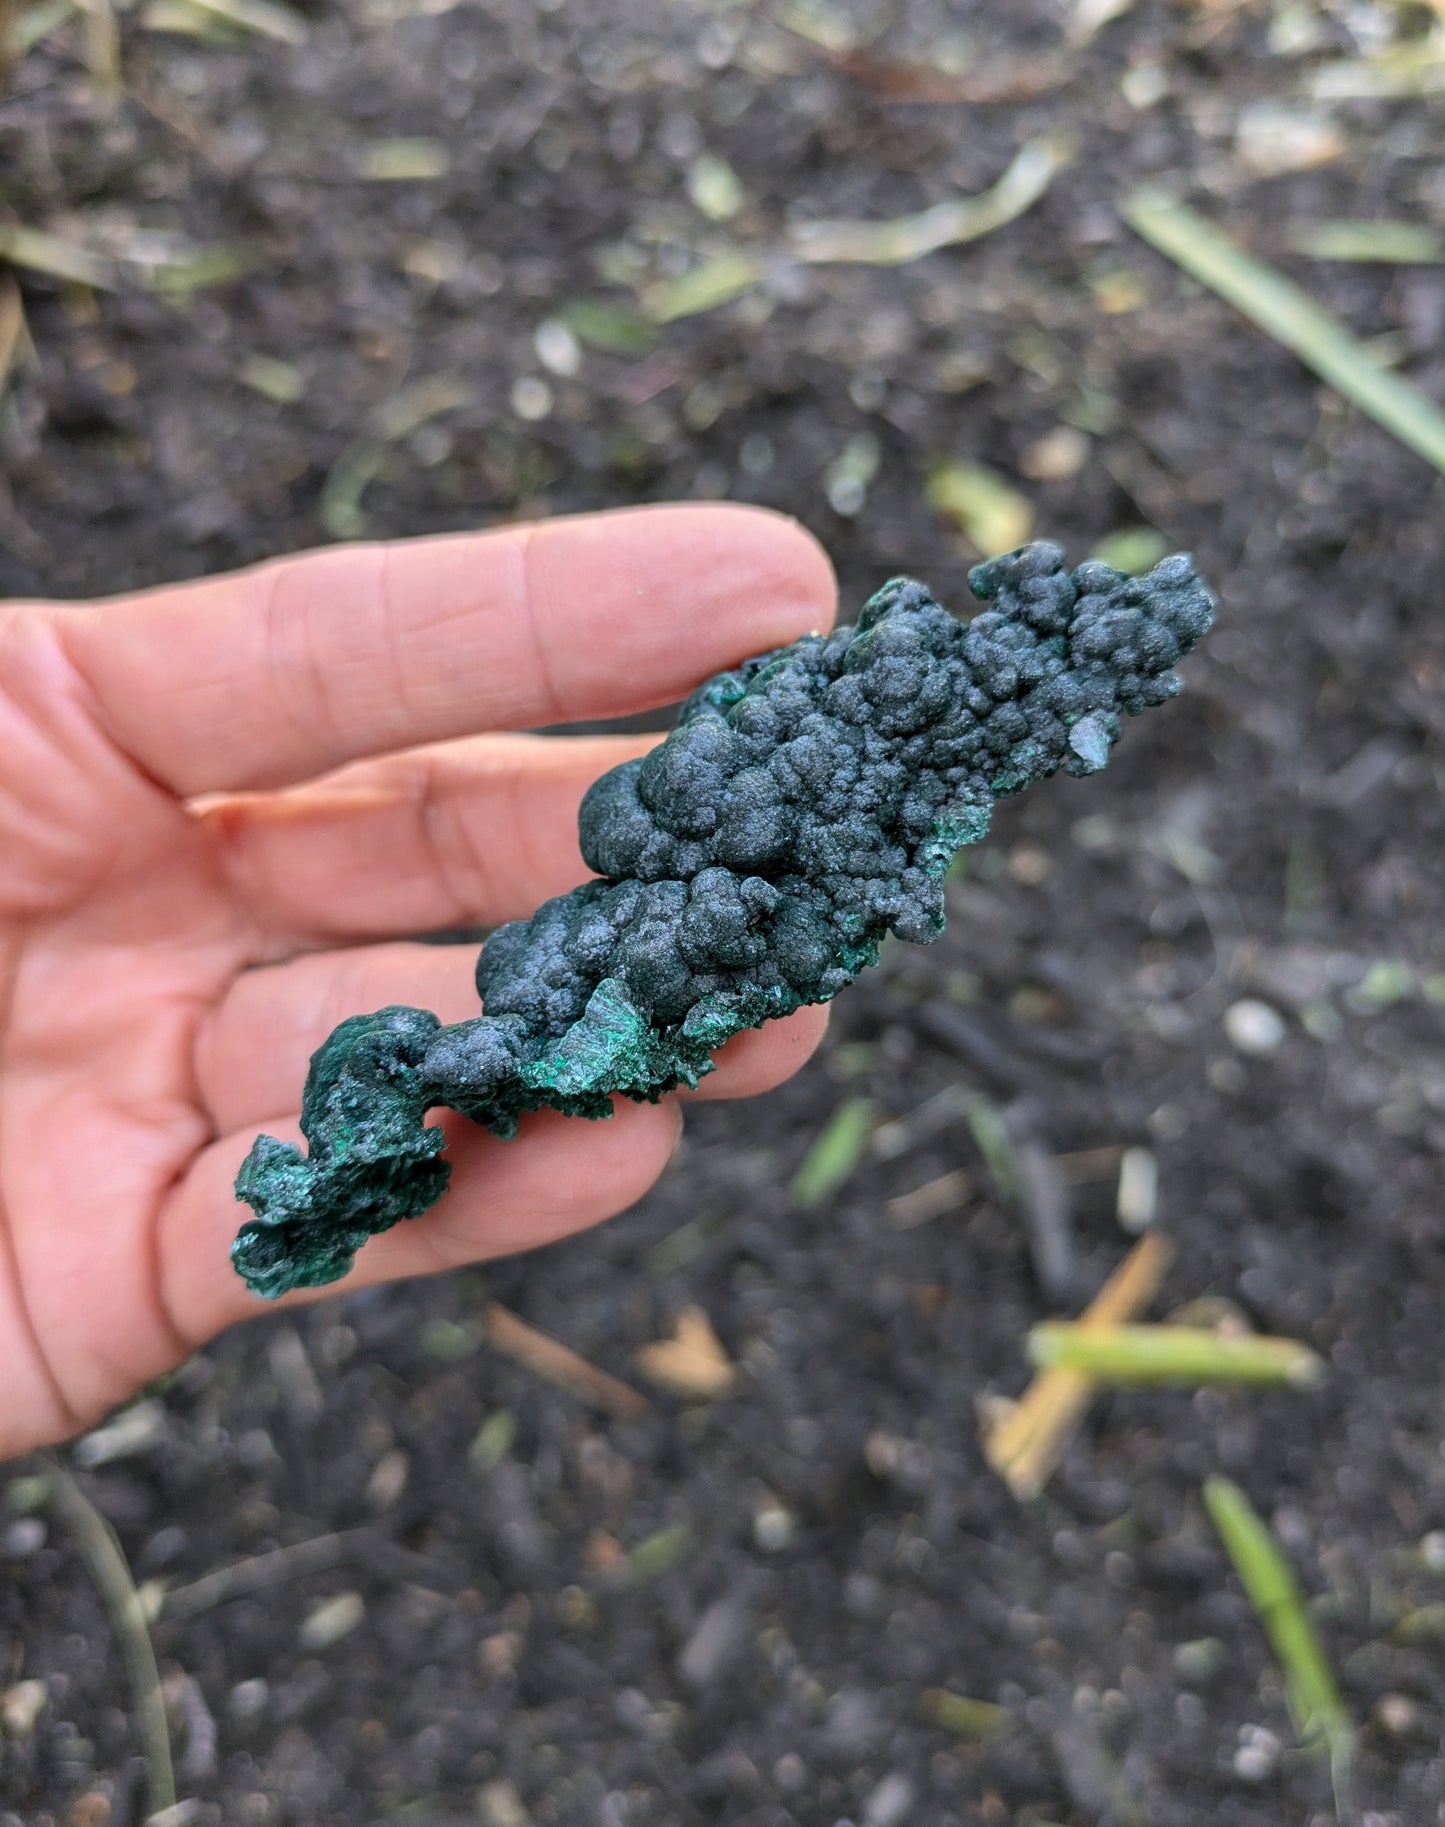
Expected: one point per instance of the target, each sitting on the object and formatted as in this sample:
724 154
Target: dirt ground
735 1612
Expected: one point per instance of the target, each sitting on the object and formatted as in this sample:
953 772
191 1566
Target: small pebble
854 1719
632 1709
558 349
1144 85
299 1386
1199 1660
863 1595
531 398
499 1654
716 45
714 188
680 137
1274 139
1138 1194
756 455
1096 834
331 1620
20 1707
714 1643
851 474
1029 865
499 1805
790 1772
388 1479
338 1345
1258 1755
1254 1027
1432 1550
890 1802
577 1609
25 1537
774 1528
1397 1714
248 1698
1191 1712
164 1548
1058 456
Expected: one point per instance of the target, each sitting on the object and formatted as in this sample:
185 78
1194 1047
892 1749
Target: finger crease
290 649
448 843
399 677
557 711
163 1309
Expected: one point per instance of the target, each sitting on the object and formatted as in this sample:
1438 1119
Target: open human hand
225 805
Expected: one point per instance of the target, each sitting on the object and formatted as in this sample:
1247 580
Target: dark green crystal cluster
805 806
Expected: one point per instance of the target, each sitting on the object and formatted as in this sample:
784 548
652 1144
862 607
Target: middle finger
466 833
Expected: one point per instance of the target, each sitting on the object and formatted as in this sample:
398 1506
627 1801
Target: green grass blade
1269 1583
399 161
974 1720
1132 550
906 238
727 276
991 514
41 252
1173 1354
1395 243
835 1154
267 18
660 1552
105 1559
37 22
993 1141
1291 316
599 325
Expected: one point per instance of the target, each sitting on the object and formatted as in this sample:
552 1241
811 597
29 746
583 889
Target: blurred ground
302 341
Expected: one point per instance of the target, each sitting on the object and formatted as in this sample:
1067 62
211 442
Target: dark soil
835 1545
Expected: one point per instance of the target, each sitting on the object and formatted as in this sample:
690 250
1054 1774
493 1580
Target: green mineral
805 806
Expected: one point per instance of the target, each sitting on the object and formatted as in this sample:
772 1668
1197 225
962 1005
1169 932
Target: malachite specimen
804 807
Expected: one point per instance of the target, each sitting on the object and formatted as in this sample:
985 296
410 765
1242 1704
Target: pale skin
224 806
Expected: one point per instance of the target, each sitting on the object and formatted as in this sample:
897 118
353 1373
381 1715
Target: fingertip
801 569
761 1059
760 574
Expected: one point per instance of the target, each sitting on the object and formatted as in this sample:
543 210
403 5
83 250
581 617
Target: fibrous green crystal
805 806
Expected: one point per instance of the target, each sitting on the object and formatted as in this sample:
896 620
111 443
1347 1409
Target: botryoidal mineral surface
805 806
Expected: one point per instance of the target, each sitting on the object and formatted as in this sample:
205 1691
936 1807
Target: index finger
276 674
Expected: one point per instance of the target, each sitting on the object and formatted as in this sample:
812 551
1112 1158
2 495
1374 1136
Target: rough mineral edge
805 806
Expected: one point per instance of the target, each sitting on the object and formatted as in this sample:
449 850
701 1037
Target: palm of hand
181 923
118 939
